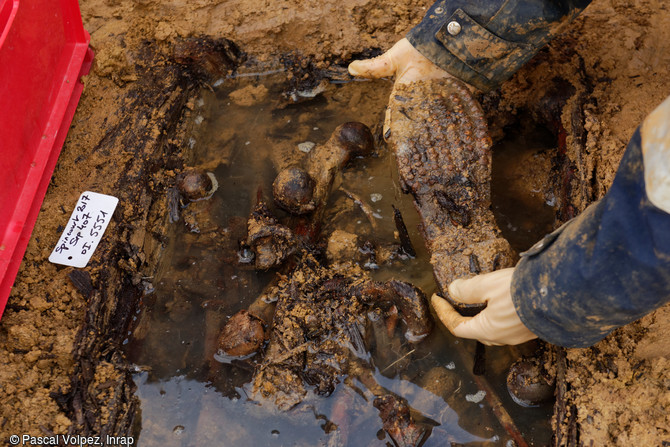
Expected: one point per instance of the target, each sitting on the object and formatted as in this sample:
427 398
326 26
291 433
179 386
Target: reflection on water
188 398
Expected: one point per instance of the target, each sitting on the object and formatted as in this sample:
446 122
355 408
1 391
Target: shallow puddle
189 398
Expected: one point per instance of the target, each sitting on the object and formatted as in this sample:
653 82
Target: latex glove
402 61
496 325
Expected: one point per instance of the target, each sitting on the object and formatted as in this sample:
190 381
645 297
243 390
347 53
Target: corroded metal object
442 147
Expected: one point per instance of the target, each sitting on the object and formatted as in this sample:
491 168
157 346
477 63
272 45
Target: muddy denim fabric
495 37
605 268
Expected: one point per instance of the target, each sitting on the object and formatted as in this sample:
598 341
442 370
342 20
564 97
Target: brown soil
60 344
616 58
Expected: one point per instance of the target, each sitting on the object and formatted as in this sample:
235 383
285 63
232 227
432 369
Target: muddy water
190 399
523 201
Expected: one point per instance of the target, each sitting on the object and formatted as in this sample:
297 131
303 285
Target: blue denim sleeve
605 268
484 42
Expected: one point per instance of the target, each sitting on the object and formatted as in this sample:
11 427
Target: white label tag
84 230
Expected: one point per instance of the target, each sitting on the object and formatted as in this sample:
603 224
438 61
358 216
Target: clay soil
63 368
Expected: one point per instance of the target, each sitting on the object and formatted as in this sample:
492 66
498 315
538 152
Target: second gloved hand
498 324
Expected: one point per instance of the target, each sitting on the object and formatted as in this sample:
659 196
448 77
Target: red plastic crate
43 53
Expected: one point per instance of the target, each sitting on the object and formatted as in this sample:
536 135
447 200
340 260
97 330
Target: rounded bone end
528 384
242 335
195 184
293 190
356 137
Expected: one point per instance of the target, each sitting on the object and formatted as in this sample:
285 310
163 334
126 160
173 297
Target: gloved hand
402 61
496 325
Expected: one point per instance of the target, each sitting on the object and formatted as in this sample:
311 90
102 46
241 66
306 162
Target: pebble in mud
306 146
476 397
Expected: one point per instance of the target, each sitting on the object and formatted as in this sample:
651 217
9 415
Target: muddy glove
498 324
402 61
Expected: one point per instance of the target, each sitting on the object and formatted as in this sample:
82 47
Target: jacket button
454 28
